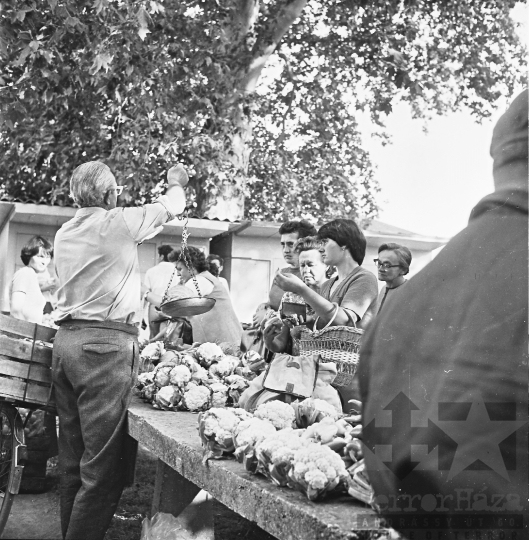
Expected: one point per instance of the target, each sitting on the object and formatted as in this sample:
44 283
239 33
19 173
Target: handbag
293 375
338 344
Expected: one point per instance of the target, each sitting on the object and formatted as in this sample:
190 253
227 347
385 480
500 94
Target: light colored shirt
26 281
96 261
157 278
220 324
204 285
224 281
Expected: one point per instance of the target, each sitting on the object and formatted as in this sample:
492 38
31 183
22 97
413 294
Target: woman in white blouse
27 300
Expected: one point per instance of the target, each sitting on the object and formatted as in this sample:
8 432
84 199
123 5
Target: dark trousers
94 370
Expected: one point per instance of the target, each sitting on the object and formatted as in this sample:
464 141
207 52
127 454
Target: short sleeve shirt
26 281
96 261
358 292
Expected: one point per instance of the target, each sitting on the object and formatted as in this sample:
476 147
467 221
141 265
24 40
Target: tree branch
284 21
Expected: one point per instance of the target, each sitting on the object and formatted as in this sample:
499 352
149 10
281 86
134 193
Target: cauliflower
280 414
221 369
187 360
219 395
315 478
167 398
230 348
219 423
144 379
196 398
316 469
245 372
180 375
153 351
209 353
170 356
161 376
254 361
216 428
241 414
275 452
313 410
237 385
198 373
323 432
236 382
148 392
252 431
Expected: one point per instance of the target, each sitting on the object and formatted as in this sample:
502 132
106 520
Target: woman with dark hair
27 303
393 264
217 325
216 265
27 300
349 298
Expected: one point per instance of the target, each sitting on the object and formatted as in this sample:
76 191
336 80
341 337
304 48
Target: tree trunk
228 202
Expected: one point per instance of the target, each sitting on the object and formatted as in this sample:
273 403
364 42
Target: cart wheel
8 442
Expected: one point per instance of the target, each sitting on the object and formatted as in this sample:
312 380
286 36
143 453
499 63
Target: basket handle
336 307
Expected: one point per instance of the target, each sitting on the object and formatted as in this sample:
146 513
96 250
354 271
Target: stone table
282 512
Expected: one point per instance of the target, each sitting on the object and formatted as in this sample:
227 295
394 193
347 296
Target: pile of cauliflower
307 445
323 457
197 379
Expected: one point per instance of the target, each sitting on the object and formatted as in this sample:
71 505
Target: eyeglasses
384 265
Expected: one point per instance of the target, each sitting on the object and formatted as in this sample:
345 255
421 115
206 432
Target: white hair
90 182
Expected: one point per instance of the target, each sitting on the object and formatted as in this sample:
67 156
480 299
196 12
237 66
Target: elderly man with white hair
95 354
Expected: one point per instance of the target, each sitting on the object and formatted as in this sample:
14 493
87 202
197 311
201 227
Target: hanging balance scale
193 305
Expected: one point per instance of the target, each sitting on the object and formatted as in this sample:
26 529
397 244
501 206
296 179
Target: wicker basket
338 344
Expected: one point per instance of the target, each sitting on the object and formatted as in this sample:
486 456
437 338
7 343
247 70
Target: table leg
174 494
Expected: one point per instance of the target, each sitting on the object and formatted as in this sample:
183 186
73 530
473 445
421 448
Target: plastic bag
161 526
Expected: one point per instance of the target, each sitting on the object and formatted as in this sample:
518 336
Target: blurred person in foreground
95 353
443 372
393 264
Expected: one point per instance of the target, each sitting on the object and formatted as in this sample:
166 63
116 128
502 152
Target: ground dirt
36 516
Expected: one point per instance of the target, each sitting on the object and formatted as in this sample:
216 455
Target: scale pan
185 307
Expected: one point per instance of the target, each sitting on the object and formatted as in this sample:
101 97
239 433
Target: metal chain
183 255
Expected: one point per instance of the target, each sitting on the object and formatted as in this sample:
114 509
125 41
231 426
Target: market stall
285 513
295 469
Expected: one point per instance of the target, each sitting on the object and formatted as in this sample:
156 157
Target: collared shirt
96 261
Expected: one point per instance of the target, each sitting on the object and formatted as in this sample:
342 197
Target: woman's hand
290 283
275 335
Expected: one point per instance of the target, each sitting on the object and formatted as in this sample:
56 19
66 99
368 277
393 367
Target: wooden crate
25 362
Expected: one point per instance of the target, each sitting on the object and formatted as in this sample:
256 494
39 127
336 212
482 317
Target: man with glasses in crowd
95 353
393 265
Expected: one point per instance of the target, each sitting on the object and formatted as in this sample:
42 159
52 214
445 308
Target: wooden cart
25 381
